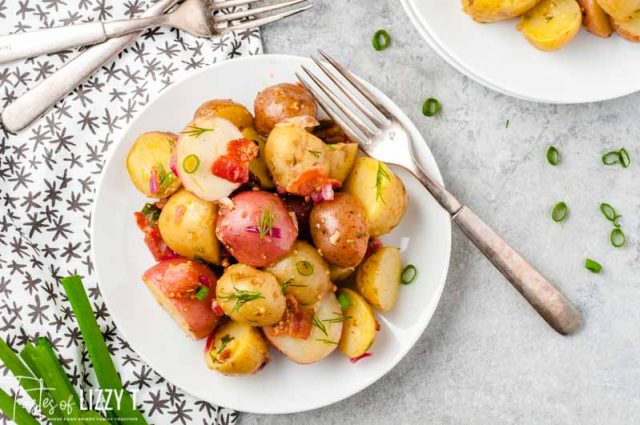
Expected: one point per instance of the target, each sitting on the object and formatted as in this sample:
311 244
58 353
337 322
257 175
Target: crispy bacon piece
153 239
296 321
310 182
234 165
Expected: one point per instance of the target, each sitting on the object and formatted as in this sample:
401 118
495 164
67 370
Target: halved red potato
279 102
174 283
256 228
323 339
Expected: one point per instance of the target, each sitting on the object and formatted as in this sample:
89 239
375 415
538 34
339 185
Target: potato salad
265 230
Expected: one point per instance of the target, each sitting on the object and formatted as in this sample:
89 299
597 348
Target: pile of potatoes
552 24
288 257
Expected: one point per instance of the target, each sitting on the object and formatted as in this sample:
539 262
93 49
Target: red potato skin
279 102
173 283
249 247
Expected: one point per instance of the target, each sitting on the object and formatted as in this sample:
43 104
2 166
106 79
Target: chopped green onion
202 292
151 213
553 155
592 265
610 213
408 274
190 164
559 212
431 107
625 159
305 268
506 125
621 157
617 237
343 300
381 40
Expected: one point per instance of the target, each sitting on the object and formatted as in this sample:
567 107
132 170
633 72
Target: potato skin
629 30
227 109
305 273
187 226
339 230
360 327
378 278
384 208
279 102
266 303
551 24
340 274
237 349
173 283
237 228
342 156
496 10
595 19
152 151
621 10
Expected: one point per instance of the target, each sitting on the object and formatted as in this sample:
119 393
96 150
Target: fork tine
362 89
251 12
327 105
253 23
231 3
364 109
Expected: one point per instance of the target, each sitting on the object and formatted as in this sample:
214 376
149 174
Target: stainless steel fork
199 18
381 135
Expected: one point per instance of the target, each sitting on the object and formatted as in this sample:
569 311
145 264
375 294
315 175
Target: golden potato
378 278
258 165
237 349
341 159
551 24
227 109
340 274
148 164
359 328
595 19
187 226
629 30
251 296
621 10
280 102
496 10
380 192
302 273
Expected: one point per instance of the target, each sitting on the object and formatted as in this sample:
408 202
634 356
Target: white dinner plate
589 69
120 258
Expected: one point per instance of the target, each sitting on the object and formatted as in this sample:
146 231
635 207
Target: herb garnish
195 131
610 213
289 283
617 237
592 265
326 341
165 178
559 212
241 297
548 19
305 268
621 157
265 222
409 274
381 40
224 341
314 153
343 300
202 292
381 175
431 107
151 213
553 155
318 324
338 319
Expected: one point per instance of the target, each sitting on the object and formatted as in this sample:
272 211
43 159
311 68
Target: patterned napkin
48 177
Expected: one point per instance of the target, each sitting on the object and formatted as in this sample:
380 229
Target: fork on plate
382 136
200 18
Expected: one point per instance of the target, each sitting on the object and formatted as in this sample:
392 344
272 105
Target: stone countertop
486 357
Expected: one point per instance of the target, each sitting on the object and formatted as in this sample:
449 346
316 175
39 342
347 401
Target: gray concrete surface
486 357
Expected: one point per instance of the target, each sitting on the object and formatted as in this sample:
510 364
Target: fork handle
548 301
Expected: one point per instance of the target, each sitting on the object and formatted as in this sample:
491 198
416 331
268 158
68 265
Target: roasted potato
341 159
187 226
174 284
621 10
595 19
256 228
237 349
340 274
378 278
149 164
339 230
496 10
302 273
323 339
359 328
258 165
250 295
629 30
231 111
551 24
380 192
277 103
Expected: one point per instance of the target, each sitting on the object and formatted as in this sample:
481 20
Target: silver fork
381 135
197 17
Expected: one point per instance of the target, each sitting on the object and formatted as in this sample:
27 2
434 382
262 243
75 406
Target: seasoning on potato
237 349
551 24
149 164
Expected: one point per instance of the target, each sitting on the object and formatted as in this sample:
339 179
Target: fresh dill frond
265 223
289 283
241 297
318 324
195 131
381 176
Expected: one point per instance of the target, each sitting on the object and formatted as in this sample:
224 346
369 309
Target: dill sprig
223 343
315 153
327 341
338 319
289 283
318 324
195 131
265 223
381 175
241 297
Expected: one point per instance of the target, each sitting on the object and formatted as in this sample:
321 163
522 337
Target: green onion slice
190 164
610 213
592 265
381 40
408 274
553 155
559 212
611 158
625 159
202 292
343 300
431 107
617 237
305 268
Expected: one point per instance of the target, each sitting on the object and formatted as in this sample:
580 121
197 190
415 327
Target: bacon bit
312 181
154 183
373 245
226 353
357 359
234 165
179 213
377 326
153 239
295 322
210 339
217 310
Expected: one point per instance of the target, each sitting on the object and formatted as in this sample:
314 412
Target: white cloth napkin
48 176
